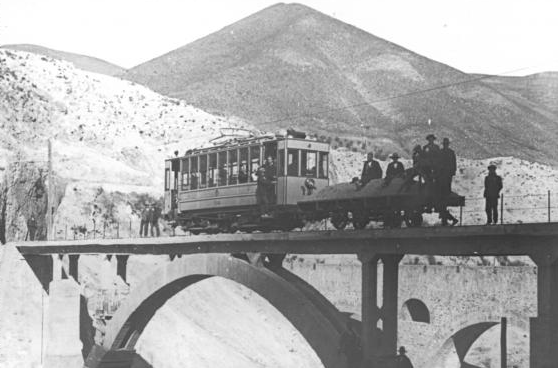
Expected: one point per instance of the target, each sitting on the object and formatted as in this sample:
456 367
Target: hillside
289 65
110 139
537 91
83 62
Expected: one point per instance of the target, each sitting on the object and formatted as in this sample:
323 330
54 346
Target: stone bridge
379 253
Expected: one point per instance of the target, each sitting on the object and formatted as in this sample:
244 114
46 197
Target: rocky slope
291 65
83 62
109 136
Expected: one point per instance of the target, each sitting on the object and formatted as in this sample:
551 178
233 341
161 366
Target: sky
508 37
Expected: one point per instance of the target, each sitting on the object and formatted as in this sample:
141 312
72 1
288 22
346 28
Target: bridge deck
514 239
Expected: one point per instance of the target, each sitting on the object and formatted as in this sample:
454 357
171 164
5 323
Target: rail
512 209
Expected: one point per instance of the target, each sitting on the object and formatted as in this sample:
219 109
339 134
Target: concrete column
63 345
544 328
57 267
389 307
370 313
121 265
73 269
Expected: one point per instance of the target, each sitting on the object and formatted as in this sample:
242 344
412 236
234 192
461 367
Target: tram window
203 171
270 150
292 162
211 172
194 174
254 162
323 166
281 163
185 174
222 180
243 169
233 167
308 164
167 178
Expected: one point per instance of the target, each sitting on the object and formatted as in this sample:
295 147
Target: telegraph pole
50 195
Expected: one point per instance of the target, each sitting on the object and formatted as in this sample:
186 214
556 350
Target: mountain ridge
291 65
83 62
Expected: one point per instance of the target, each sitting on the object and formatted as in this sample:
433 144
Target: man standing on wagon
371 170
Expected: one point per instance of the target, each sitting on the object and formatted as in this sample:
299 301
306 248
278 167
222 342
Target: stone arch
417 310
462 335
129 321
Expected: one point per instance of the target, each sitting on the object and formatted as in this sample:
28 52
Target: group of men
438 167
150 219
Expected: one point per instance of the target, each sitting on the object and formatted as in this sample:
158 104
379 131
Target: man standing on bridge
492 187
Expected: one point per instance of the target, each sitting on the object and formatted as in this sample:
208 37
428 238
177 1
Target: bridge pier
122 265
544 328
63 345
379 345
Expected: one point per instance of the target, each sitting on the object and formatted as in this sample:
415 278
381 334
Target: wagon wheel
393 220
360 220
413 219
339 220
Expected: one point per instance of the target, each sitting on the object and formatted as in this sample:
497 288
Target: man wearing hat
492 187
447 167
402 360
430 153
371 169
394 169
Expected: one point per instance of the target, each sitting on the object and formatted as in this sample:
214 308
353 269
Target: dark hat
445 140
402 349
491 167
394 155
430 136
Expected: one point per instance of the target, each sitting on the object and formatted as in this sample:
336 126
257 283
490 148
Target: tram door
270 150
172 170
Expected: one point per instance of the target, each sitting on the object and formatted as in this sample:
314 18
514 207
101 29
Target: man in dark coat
430 155
446 168
154 214
271 178
31 227
394 169
371 170
262 198
492 187
144 221
402 360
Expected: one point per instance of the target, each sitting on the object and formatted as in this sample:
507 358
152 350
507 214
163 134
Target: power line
385 99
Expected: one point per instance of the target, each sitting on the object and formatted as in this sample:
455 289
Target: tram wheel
360 220
339 220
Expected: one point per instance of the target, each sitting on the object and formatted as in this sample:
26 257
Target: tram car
213 189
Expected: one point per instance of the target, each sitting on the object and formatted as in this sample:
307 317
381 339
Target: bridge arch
129 321
416 310
454 343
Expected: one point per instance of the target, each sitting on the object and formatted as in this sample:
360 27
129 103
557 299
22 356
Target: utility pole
50 195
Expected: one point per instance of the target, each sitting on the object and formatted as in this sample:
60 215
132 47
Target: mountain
536 91
290 65
83 62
